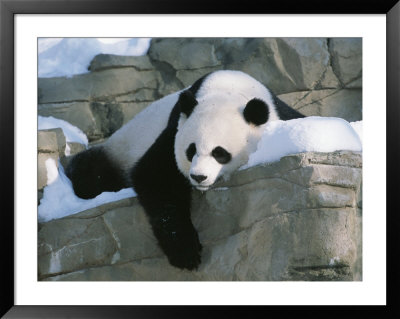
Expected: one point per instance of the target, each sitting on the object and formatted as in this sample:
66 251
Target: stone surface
51 141
107 61
79 114
129 110
75 147
283 64
296 219
86 243
51 146
346 58
95 85
183 53
344 103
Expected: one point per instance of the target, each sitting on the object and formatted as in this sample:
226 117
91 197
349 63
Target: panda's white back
127 145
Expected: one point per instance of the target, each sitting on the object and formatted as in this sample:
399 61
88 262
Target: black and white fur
189 139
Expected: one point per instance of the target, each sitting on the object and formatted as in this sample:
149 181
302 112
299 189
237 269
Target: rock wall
317 76
297 219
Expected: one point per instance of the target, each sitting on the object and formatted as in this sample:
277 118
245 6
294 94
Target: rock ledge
296 219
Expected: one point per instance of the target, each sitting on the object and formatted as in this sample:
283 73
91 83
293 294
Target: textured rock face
317 76
99 102
297 219
51 146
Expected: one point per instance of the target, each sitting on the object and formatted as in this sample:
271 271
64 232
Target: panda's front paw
185 249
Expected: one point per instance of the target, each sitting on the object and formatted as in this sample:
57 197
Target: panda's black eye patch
190 151
221 155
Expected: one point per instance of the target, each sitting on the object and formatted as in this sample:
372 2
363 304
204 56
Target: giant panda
186 140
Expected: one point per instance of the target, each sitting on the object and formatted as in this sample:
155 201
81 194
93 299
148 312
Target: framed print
158 155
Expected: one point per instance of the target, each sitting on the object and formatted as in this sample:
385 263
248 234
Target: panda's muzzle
198 178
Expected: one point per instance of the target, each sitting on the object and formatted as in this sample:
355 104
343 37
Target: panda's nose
198 178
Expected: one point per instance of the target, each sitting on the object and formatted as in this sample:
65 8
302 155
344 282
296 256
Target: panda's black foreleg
176 236
165 194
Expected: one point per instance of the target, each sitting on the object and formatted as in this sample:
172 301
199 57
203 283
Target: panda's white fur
127 145
189 138
218 120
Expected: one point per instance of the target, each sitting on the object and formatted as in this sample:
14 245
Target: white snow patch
115 258
333 261
357 126
55 263
71 56
72 133
67 150
59 199
309 134
52 171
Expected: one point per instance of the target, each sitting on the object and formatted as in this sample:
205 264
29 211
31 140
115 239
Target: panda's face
215 139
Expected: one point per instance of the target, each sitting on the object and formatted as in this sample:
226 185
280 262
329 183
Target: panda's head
216 134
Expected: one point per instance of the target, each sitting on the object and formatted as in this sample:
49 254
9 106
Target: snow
59 199
334 261
51 169
357 126
72 133
71 56
310 134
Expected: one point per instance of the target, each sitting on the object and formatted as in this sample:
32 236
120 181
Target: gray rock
296 219
51 146
141 95
51 141
283 64
67 245
75 147
311 62
107 61
132 233
188 77
344 103
129 110
102 85
96 119
184 53
301 240
78 114
346 55
154 269
329 80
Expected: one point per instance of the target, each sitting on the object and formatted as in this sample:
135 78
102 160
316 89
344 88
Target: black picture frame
8 10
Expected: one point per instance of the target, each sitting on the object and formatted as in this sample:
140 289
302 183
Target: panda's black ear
256 112
187 102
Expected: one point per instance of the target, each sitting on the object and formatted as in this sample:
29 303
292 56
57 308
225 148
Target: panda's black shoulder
285 112
176 110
